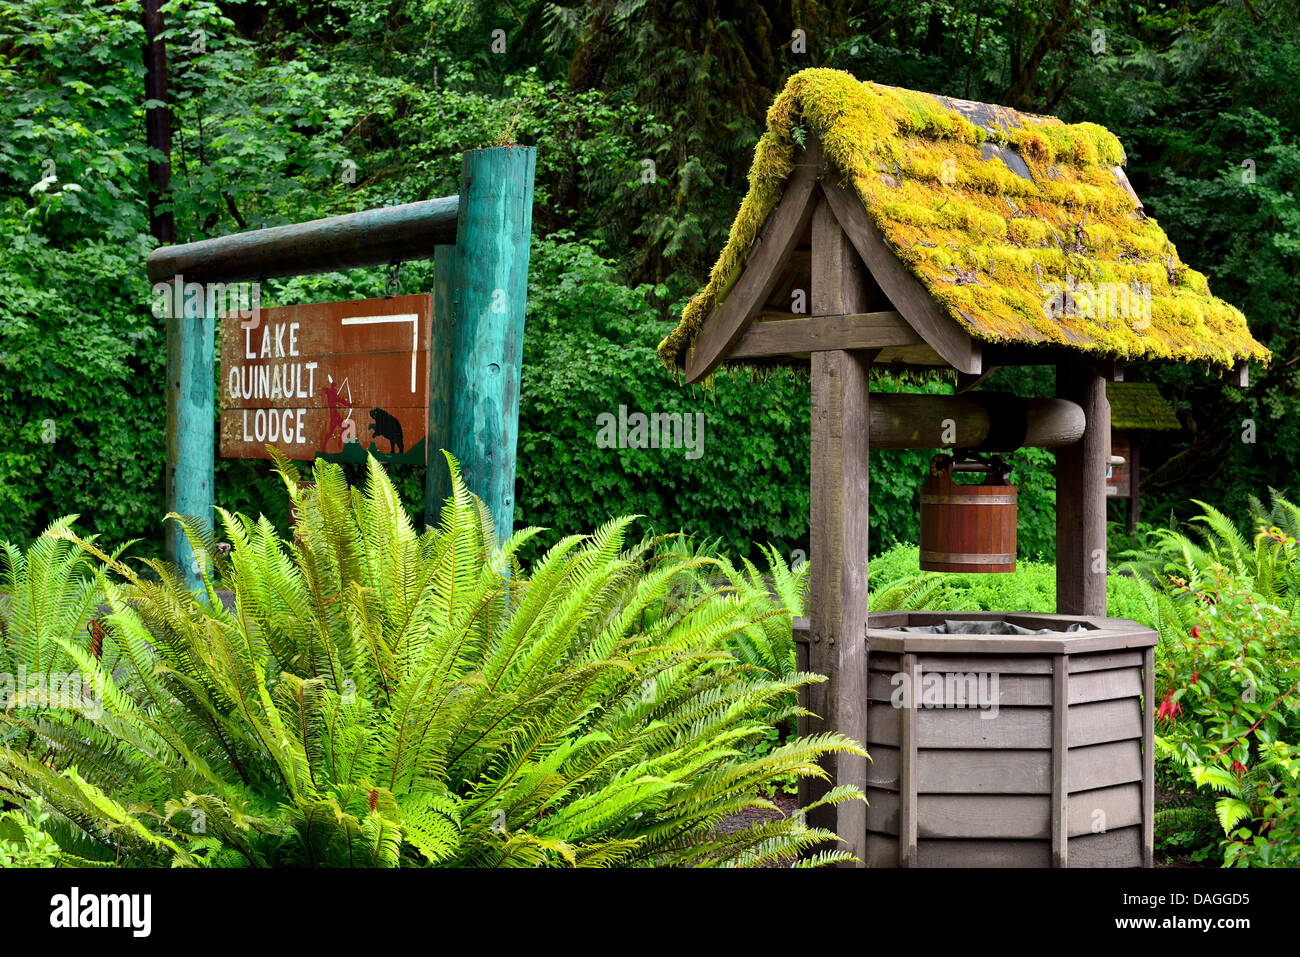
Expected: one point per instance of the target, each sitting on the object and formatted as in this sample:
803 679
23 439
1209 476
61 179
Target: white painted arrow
410 317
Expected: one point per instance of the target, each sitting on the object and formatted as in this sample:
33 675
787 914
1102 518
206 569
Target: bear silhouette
386 426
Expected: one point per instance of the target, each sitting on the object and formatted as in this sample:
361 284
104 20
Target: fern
382 696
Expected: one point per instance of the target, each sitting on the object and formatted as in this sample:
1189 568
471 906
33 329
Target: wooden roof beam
904 290
761 272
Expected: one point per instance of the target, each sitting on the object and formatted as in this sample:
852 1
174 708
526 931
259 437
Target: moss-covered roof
1022 227
1139 405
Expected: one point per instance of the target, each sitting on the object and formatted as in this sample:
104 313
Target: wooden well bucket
968 528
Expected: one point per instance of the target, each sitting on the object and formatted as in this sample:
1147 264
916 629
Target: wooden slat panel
983 853
1103 685
882 812
882 727
1012 690
1105 662
883 771
1118 848
979 815
1102 765
968 771
795 336
1002 664
1009 728
974 771
1101 721
1105 808
964 728
882 851
881 684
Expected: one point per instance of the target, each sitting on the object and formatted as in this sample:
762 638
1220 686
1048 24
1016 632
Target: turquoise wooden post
437 480
490 289
191 426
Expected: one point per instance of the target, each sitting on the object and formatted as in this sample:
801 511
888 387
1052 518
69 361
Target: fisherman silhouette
335 400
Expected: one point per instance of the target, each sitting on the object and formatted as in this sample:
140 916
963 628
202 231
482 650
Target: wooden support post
1081 496
839 526
909 785
437 479
490 288
191 427
1060 760
1134 489
1148 755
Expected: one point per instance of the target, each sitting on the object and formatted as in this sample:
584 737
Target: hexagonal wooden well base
1009 750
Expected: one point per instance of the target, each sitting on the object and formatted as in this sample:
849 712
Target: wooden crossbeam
862 330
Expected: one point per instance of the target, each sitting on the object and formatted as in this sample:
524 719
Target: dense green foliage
1229 677
291 111
377 696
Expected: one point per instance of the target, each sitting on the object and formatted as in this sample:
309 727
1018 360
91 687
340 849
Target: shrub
23 843
378 697
898 584
1228 680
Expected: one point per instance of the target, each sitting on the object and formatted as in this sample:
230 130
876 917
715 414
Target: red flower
374 800
1169 708
1239 768
1196 631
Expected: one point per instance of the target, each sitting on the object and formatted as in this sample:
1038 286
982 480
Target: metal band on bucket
967 558
933 499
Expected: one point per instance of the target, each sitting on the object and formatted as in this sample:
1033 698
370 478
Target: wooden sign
333 380
1117 478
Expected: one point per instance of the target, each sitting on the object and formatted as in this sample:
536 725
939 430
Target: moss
1100 237
990 245
1030 232
1105 145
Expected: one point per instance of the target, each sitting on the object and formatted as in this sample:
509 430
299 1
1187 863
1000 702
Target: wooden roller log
987 421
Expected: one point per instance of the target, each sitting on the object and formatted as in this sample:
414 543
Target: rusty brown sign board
333 380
